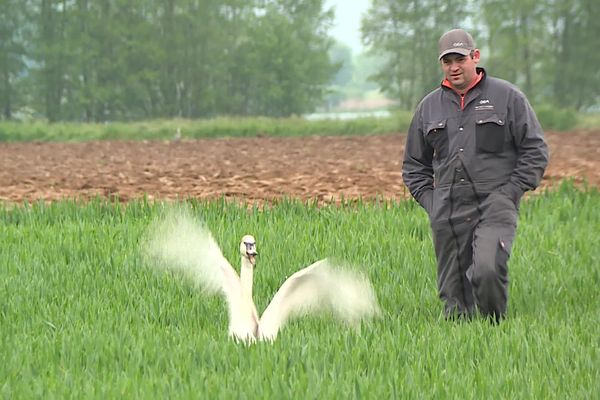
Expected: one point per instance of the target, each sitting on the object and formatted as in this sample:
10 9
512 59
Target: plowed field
255 169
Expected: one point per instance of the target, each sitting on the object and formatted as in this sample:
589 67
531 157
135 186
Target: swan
324 286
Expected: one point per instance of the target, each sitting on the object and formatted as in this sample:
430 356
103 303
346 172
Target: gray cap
456 41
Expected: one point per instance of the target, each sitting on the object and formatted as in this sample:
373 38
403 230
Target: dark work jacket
456 157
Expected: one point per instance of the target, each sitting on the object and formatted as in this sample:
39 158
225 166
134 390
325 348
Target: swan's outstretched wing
321 286
178 242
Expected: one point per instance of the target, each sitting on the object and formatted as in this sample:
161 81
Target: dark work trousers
472 248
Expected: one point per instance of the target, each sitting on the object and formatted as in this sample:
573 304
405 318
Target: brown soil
255 169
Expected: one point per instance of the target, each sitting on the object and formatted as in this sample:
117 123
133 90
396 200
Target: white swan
181 244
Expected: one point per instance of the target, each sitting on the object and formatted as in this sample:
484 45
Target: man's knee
483 273
491 252
489 267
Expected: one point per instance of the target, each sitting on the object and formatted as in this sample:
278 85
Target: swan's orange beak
252 257
251 252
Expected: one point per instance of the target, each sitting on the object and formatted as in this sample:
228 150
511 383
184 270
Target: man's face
460 70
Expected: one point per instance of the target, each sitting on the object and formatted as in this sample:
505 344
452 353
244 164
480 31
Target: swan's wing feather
178 242
322 286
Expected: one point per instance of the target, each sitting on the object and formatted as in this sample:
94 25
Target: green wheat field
82 316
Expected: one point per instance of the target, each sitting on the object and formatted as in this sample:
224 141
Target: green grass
203 128
550 118
81 316
589 121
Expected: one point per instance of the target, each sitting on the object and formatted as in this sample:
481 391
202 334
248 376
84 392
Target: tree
544 47
573 62
289 48
341 57
405 34
12 51
365 66
516 30
50 55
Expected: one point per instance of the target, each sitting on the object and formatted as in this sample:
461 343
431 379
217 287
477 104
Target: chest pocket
436 134
490 132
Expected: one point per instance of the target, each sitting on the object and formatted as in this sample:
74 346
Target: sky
346 26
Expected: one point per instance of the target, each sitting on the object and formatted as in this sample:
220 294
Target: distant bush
556 119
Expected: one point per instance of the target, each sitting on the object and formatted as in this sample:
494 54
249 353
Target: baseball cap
456 41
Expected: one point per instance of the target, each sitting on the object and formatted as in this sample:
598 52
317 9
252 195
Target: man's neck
464 91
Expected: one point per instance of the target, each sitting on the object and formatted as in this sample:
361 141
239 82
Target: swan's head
248 248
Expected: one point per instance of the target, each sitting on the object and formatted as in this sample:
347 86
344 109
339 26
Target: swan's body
320 286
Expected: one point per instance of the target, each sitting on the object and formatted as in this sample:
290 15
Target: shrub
556 119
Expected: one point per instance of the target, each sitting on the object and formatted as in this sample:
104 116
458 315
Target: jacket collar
481 74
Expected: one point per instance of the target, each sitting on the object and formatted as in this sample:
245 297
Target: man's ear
475 56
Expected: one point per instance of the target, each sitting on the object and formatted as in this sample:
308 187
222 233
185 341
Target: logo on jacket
484 104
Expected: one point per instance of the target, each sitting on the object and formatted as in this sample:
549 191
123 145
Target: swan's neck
246 276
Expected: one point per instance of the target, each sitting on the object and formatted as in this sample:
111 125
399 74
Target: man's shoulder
434 95
495 83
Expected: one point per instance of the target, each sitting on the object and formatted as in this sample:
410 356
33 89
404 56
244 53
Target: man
473 148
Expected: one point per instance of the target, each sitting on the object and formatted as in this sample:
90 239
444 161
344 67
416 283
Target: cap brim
457 50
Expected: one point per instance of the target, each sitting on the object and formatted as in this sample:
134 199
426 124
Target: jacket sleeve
417 169
532 150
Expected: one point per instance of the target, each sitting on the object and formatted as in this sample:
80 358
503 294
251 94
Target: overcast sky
346 28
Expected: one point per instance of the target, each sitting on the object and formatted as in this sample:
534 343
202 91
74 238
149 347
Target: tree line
98 60
549 48
101 60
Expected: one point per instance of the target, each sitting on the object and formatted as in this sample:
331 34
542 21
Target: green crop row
83 316
399 121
